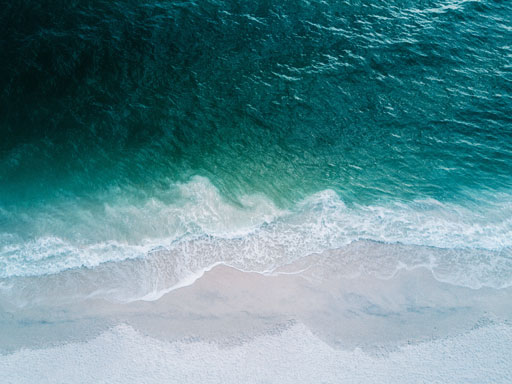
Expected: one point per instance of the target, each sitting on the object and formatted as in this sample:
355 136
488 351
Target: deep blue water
292 126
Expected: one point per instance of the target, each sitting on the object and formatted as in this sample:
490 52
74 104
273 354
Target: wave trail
200 228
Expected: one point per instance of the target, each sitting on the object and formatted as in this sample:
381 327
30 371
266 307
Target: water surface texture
255 133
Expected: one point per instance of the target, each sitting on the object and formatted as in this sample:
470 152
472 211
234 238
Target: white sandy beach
308 322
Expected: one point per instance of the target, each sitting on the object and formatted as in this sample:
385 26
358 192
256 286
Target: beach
303 321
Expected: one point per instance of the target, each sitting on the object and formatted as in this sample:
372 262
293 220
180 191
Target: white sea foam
200 228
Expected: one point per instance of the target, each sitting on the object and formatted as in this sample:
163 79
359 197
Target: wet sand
227 311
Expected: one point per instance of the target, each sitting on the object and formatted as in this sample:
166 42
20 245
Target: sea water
180 135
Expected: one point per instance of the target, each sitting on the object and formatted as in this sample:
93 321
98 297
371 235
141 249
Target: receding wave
464 245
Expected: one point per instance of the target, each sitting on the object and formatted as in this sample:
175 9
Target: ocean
145 142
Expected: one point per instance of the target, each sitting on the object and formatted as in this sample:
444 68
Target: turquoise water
268 130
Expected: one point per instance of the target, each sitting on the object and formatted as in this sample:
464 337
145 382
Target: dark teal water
129 125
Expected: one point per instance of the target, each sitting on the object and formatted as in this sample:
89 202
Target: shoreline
307 311
223 302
